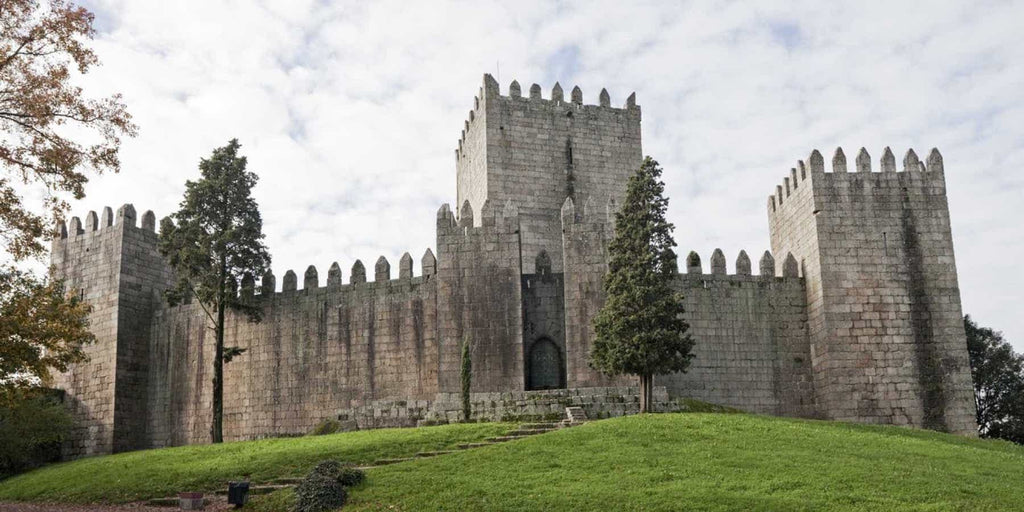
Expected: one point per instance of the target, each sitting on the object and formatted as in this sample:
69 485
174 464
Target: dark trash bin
238 493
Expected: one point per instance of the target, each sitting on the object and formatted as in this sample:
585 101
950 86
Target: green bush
350 476
347 474
323 488
319 493
33 424
327 468
326 426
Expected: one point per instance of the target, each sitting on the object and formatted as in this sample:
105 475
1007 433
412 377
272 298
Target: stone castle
854 314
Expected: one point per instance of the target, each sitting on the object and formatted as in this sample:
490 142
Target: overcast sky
350 112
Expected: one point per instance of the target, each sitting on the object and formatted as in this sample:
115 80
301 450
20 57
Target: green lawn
157 473
706 462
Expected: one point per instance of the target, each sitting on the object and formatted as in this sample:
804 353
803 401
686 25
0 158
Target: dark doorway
545 369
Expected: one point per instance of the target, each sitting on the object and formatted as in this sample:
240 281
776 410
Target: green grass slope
157 473
706 462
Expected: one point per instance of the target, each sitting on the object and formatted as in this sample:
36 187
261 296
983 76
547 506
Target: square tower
535 152
883 303
115 266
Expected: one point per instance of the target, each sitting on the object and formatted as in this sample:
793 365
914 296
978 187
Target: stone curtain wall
586 232
181 377
533 147
318 350
885 303
752 350
479 297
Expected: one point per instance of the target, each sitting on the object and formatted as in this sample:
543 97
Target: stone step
530 426
469 446
575 414
530 431
256 490
434 453
502 439
385 462
163 502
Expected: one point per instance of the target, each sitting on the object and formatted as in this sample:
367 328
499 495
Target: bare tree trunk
644 400
650 393
217 428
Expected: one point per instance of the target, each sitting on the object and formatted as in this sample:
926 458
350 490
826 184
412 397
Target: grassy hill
651 462
148 474
706 462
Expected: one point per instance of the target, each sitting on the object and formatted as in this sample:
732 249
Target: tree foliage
998 375
52 135
640 329
42 329
33 423
214 241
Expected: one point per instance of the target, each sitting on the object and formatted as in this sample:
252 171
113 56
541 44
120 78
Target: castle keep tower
537 152
531 154
884 316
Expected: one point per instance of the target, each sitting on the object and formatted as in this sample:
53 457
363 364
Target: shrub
351 476
33 424
347 474
326 426
319 493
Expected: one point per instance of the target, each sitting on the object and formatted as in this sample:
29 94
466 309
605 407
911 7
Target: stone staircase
573 416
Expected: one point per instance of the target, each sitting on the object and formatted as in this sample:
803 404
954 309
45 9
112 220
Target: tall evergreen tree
640 330
215 240
998 375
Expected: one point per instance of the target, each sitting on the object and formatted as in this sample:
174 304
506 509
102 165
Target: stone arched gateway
545 366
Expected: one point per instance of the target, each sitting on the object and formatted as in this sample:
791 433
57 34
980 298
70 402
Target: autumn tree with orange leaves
41 47
52 138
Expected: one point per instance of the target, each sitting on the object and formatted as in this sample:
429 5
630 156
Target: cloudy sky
350 112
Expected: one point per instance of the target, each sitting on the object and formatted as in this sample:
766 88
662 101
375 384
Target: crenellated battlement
790 269
591 213
812 174
98 224
490 92
357 277
490 219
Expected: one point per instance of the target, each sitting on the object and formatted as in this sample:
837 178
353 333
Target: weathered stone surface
860 321
884 316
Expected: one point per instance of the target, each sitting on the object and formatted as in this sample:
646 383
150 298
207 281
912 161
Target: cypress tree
215 240
640 329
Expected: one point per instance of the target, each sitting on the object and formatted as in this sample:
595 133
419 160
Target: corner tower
115 266
536 152
884 315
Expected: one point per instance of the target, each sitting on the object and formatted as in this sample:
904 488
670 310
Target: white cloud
350 111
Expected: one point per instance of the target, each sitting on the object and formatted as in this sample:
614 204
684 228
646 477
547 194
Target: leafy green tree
998 374
213 241
640 329
466 374
42 329
33 423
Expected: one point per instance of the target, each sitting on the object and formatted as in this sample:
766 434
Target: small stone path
574 416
